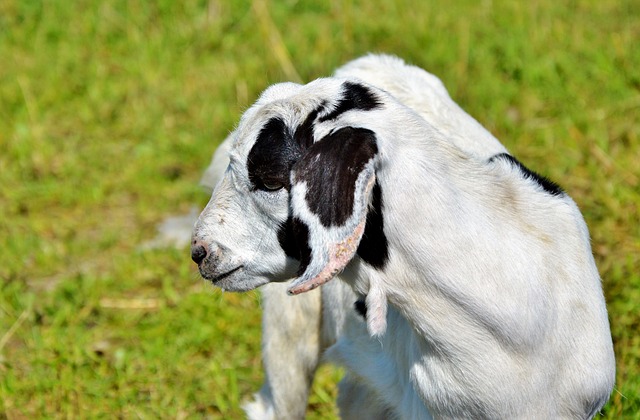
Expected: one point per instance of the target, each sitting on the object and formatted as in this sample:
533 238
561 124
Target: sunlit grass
110 111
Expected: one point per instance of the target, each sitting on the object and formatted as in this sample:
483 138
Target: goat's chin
240 282
244 281
247 277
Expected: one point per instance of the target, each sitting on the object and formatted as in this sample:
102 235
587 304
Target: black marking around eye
330 169
547 185
354 96
277 148
272 156
373 247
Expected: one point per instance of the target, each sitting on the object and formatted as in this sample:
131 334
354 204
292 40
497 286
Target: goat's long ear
330 193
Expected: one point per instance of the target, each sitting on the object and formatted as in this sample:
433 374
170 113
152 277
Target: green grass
110 111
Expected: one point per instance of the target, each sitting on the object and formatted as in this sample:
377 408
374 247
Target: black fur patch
330 169
272 156
373 248
344 153
354 96
293 237
547 185
304 132
361 308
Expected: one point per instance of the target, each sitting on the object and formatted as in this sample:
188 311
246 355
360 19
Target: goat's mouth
217 278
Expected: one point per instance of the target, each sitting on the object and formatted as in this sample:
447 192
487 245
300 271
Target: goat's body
487 303
486 346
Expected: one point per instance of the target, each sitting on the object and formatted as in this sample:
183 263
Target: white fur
494 307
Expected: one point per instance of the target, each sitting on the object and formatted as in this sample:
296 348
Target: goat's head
295 198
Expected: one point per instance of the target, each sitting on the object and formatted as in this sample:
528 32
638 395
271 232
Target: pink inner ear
339 256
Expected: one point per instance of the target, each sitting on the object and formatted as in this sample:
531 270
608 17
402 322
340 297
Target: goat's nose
198 251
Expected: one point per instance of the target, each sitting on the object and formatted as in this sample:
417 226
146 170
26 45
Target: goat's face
293 201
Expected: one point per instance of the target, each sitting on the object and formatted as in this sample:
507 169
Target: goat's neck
457 245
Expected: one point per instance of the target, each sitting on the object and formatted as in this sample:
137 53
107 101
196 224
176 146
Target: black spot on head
361 307
293 237
354 96
547 185
272 156
330 169
304 133
373 247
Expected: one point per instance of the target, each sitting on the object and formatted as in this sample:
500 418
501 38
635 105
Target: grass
110 111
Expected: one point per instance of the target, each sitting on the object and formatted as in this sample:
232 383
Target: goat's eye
272 186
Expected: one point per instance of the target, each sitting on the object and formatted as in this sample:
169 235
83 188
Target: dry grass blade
14 327
270 30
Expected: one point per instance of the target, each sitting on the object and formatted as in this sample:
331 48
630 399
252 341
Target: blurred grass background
110 111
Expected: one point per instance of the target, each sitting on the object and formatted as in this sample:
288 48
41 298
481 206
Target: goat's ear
330 192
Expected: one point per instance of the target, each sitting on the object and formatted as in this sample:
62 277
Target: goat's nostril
198 253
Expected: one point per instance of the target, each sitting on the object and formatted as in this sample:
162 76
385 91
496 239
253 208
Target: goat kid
291 348
483 269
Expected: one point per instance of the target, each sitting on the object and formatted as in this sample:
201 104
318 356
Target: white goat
291 348
481 268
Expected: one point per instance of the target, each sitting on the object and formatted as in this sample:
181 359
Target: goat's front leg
290 353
